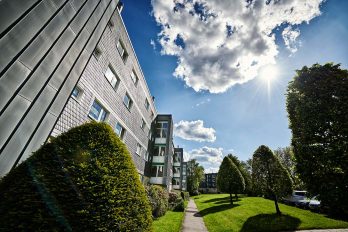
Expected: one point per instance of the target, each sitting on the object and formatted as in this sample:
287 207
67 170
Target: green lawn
257 214
170 222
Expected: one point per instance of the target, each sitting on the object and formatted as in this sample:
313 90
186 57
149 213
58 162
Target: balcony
158 159
176 175
160 140
177 164
157 180
176 186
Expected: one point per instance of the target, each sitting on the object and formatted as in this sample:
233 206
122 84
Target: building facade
64 63
208 185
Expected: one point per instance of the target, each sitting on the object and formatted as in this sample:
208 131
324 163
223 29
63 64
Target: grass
258 214
170 222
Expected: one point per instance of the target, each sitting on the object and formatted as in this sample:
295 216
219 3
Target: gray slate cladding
45 46
64 63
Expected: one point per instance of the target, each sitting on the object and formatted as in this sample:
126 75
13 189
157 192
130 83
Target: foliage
317 105
246 175
287 159
229 179
269 177
247 165
158 197
195 174
252 214
84 180
176 203
186 195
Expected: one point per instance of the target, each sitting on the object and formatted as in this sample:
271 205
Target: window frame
134 77
130 101
115 76
122 132
103 110
124 54
147 104
143 124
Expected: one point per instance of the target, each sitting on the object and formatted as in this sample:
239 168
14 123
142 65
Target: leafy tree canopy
246 175
269 177
229 178
317 105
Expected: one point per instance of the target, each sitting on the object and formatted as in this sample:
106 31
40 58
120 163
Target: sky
221 67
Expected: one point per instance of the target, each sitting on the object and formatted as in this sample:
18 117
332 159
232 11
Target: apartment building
65 63
208 185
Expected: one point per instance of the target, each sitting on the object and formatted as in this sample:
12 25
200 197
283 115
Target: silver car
314 204
297 197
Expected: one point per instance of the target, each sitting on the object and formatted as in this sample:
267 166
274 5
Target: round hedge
84 180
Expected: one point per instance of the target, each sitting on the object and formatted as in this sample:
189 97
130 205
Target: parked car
314 204
303 203
297 197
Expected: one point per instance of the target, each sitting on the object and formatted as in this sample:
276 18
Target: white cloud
289 36
195 131
203 102
210 158
153 44
220 43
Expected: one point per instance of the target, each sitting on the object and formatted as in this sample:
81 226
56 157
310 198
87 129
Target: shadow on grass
221 200
270 222
216 209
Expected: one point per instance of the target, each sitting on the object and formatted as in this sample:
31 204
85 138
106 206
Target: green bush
84 180
158 198
176 203
186 195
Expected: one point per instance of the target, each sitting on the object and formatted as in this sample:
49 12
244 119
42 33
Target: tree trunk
231 199
236 195
276 205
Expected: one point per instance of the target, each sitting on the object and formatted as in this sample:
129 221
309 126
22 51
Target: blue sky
234 118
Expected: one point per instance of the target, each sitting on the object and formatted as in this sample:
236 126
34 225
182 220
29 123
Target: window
157 171
160 151
112 78
119 130
147 105
122 50
139 148
134 77
161 129
97 112
127 101
176 170
175 181
76 92
143 124
152 115
176 157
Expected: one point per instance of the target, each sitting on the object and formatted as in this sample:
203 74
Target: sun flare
269 73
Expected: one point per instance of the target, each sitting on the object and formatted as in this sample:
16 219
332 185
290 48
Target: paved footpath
193 221
323 230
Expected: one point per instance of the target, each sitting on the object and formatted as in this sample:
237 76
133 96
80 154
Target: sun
269 72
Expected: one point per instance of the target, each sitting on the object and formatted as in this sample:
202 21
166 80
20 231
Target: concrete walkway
193 221
323 230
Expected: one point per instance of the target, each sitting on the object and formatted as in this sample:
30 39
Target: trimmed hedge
84 180
158 198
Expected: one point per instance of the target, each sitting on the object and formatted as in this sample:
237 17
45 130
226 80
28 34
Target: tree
317 105
229 179
269 177
195 174
246 175
287 158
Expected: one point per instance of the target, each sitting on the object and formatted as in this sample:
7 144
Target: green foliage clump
176 203
246 175
229 179
195 174
269 177
186 195
84 180
158 198
317 105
